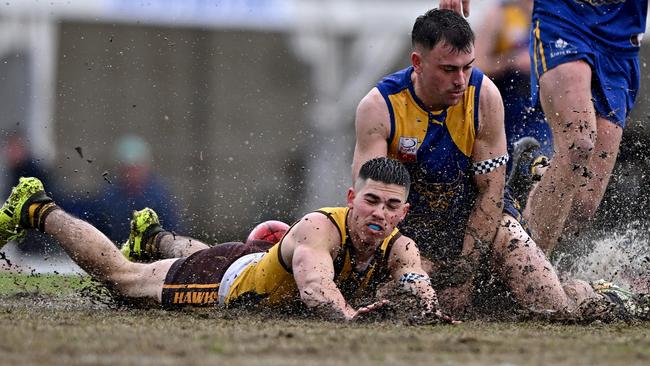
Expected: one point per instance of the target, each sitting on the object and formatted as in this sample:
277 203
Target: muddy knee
583 212
579 152
579 290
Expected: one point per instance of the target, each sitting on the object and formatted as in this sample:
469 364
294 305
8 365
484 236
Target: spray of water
621 256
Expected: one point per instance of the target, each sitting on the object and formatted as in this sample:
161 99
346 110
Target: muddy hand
433 317
368 308
444 317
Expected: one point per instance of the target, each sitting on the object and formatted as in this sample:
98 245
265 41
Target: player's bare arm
314 243
490 144
406 268
405 265
372 125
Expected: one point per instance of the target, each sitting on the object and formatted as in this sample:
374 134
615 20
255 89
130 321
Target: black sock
36 209
151 240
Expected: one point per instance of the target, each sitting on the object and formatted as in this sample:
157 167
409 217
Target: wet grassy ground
63 321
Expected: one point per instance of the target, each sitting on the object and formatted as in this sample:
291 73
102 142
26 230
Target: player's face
376 209
442 74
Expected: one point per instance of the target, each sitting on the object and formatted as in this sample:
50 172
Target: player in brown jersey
327 254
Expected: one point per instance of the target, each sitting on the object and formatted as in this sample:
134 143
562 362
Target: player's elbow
313 293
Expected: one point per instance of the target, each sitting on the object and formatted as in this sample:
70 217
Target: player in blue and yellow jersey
444 120
585 76
325 259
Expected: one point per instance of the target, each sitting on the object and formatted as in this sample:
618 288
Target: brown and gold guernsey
270 280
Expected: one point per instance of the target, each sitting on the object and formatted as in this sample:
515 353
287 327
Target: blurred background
219 114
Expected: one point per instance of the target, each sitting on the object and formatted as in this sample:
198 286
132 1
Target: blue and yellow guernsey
436 147
270 281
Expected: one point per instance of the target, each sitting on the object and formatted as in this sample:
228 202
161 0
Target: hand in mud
457 299
434 317
368 308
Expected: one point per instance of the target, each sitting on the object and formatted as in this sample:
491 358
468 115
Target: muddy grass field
61 320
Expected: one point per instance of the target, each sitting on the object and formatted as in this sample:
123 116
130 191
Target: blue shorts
615 77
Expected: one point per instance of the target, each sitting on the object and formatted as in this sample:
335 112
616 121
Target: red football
271 231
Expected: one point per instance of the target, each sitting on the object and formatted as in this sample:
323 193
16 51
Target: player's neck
430 103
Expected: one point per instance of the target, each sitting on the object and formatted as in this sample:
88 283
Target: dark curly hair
439 25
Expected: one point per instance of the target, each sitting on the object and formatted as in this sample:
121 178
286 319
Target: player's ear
407 206
351 195
416 60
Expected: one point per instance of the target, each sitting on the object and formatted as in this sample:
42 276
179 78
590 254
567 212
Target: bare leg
174 246
601 164
98 256
525 269
565 95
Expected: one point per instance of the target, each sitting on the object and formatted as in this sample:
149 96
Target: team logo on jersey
439 196
561 47
407 149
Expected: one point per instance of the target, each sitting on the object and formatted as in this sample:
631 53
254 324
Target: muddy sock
35 210
151 239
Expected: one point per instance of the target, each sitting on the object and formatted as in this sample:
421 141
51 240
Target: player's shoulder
316 229
372 111
395 82
373 98
388 85
403 244
489 91
319 221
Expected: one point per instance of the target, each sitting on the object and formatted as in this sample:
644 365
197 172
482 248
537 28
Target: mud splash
621 256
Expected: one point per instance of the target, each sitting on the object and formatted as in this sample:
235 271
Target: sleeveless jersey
271 281
436 148
613 24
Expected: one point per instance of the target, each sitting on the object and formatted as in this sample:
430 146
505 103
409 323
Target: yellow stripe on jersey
413 122
460 122
539 48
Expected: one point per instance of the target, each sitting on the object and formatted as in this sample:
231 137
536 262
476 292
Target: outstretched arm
490 145
459 6
405 265
406 268
316 242
372 125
